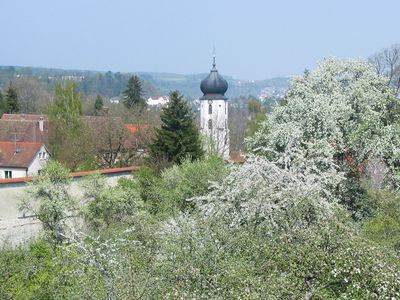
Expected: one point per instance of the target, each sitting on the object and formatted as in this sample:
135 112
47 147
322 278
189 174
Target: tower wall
214 124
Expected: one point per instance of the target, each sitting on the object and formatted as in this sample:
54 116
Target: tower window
210 109
210 124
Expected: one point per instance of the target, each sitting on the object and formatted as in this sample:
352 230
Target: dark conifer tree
133 95
2 104
12 103
98 104
178 137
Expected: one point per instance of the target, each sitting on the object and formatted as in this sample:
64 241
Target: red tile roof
77 174
106 171
27 117
23 131
21 158
134 128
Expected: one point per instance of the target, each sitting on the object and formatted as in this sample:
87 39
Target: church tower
214 111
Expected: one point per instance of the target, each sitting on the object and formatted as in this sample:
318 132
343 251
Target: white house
214 111
22 159
114 100
158 101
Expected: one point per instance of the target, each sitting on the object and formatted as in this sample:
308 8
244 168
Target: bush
384 227
107 205
169 192
203 258
48 198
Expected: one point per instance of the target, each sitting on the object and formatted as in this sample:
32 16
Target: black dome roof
213 86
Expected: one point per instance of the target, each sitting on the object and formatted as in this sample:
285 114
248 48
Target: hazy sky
253 39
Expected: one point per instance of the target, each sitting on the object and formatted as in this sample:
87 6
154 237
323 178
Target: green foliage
11 100
98 104
133 95
384 227
28 272
2 104
69 138
111 84
107 205
66 109
257 115
48 198
204 258
178 138
169 192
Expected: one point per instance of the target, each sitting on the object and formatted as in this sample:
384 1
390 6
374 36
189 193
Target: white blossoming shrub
337 117
200 257
261 194
48 198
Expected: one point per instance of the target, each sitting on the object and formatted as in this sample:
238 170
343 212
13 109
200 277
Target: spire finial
214 57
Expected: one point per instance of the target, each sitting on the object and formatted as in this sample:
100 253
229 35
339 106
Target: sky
254 39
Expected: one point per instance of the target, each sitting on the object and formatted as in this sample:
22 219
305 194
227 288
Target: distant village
24 142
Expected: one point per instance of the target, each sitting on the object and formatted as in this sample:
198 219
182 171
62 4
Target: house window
8 174
210 124
210 109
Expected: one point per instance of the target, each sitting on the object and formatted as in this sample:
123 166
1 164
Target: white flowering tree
337 117
48 198
260 194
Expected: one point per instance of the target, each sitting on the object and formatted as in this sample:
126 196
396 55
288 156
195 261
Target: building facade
22 159
214 112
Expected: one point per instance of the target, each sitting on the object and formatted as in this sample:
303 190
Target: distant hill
189 84
111 84
107 84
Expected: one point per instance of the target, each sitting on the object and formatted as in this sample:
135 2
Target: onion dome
214 86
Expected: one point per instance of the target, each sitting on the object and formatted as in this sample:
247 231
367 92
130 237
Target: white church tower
214 111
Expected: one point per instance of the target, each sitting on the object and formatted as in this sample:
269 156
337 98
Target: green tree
2 104
257 115
133 95
12 103
98 104
69 137
178 137
67 107
48 198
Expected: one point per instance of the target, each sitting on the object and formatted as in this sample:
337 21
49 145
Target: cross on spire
214 57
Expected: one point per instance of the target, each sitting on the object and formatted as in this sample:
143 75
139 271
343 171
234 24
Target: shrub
106 205
48 198
168 193
384 227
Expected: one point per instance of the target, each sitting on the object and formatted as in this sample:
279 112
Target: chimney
41 122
